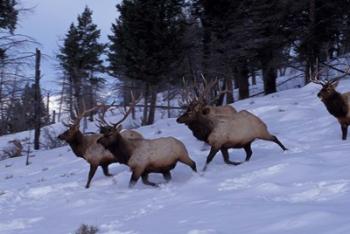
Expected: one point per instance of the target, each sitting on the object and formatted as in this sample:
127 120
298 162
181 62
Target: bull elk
336 103
223 129
86 147
144 156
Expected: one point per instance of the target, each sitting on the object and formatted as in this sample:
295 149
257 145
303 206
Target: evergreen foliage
80 59
8 15
147 44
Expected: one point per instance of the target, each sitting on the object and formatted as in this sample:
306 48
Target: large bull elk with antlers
86 146
336 103
223 129
144 156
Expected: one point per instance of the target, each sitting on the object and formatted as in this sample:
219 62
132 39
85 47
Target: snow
303 190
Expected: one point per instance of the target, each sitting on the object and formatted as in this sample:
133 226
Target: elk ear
206 111
119 128
335 84
76 127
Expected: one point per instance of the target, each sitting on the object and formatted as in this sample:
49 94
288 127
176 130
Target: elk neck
336 105
77 144
120 150
201 128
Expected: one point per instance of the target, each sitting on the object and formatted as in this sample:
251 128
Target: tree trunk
235 81
47 111
2 114
77 85
312 51
152 110
71 98
145 108
242 79
220 100
269 77
229 98
206 65
253 74
37 101
168 103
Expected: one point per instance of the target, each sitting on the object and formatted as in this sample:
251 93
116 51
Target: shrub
86 229
50 139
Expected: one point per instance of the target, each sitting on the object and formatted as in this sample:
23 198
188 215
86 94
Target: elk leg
146 181
226 157
193 166
106 170
275 139
167 176
248 151
92 171
344 129
189 162
210 157
134 178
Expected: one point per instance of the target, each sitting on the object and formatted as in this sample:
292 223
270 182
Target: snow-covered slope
303 190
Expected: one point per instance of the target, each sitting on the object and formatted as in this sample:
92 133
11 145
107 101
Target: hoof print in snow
40 180
8 177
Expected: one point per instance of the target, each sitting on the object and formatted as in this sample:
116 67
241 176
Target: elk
201 128
336 103
86 147
224 131
144 156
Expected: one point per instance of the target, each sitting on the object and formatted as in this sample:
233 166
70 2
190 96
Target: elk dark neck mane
119 149
77 144
201 128
336 105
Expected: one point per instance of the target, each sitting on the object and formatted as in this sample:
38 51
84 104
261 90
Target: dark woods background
158 45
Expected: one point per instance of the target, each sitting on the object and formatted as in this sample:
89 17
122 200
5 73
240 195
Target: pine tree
80 59
21 112
271 34
8 15
225 48
8 20
321 31
146 43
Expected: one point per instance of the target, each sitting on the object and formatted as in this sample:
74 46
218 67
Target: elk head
197 104
328 89
73 130
111 131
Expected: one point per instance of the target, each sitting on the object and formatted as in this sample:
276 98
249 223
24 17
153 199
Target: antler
200 91
126 114
332 81
206 92
76 122
187 94
104 123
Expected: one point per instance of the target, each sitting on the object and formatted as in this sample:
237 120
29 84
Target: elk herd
221 127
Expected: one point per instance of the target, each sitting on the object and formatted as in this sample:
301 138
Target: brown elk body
336 103
223 129
236 131
86 147
144 156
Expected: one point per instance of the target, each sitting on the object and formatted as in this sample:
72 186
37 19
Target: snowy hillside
303 190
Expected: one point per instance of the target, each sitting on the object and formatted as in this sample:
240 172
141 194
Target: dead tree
37 101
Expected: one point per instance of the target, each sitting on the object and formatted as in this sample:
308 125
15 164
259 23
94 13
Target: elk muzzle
182 119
